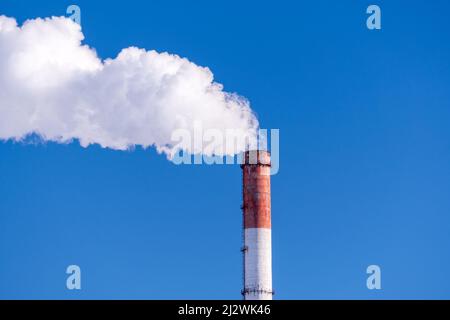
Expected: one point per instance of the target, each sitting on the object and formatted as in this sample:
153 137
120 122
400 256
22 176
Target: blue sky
364 160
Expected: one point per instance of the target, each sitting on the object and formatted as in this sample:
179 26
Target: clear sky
364 119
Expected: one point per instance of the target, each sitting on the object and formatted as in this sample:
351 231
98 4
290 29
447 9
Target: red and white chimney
257 249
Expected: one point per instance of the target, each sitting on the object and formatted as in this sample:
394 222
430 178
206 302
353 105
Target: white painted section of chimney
258 264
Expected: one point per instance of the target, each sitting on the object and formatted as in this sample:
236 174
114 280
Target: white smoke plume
53 85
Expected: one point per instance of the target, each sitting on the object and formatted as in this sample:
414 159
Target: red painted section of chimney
256 189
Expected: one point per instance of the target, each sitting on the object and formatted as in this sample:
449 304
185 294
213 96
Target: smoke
56 87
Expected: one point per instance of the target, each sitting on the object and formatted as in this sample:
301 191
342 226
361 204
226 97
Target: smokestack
257 249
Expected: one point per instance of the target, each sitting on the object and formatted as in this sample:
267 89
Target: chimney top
256 157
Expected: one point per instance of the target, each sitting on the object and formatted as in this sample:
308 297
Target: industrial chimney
257 249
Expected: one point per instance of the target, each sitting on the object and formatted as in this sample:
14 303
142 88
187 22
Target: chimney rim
259 157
